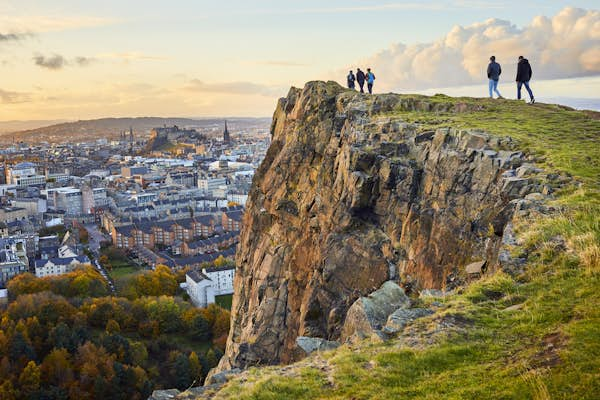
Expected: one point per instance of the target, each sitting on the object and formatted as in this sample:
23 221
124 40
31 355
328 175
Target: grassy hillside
531 336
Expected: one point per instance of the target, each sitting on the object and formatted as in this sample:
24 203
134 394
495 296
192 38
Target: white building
199 288
59 266
13 258
222 279
202 287
209 185
24 174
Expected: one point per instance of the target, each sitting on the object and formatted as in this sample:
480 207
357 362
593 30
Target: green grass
224 301
123 271
548 348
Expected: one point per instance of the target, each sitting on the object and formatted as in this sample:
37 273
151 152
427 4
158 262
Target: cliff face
348 197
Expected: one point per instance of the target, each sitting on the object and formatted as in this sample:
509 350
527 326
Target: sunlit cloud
564 46
54 62
10 97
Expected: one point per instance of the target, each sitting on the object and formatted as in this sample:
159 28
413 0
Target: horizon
69 61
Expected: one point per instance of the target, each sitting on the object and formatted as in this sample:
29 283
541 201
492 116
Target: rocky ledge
350 196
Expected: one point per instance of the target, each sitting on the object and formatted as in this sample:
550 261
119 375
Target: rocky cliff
350 196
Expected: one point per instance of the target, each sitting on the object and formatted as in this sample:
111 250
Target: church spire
226 137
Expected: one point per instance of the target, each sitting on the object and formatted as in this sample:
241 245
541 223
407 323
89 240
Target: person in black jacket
351 78
360 78
493 73
524 74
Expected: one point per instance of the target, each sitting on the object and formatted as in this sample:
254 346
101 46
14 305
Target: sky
68 59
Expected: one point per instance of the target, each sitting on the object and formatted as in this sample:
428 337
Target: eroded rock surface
349 197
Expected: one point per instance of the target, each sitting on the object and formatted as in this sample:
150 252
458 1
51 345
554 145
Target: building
232 220
69 200
226 136
187 179
128 172
13 259
24 174
33 205
203 286
93 198
199 288
59 266
11 214
209 185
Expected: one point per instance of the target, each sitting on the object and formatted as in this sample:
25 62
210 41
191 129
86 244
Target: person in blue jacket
370 80
493 73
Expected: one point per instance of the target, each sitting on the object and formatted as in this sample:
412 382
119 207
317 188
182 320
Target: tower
130 140
226 137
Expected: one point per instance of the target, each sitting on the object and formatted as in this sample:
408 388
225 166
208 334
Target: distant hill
104 128
17 125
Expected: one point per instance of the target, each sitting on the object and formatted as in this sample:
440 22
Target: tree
29 380
112 326
181 372
7 391
211 358
195 367
57 369
200 329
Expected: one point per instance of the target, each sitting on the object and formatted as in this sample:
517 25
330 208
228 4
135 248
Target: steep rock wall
350 196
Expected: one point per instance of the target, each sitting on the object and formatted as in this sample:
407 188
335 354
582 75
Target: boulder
164 394
368 315
402 317
475 268
222 377
308 345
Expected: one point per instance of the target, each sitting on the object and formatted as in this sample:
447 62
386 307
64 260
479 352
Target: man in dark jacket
351 78
493 73
360 78
524 74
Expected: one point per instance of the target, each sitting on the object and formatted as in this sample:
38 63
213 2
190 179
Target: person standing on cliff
351 78
493 73
524 74
360 78
370 80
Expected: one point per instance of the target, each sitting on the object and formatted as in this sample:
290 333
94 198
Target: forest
64 337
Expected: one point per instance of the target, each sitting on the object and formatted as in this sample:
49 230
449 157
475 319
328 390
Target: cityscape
341 200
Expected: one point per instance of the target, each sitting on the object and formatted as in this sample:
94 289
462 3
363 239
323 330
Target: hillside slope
527 329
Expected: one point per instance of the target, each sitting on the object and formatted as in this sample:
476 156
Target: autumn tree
29 380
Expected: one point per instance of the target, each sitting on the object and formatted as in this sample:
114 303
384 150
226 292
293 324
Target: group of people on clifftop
524 74
361 78
494 71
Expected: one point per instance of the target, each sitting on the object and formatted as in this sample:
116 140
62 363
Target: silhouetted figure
493 72
360 78
370 80
351 78
524 74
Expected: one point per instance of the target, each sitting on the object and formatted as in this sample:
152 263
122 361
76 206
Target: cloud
239 88
57 62
13 37
564 46
84 61
8 97
54 62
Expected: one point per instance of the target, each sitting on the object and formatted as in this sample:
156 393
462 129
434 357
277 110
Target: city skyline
66 60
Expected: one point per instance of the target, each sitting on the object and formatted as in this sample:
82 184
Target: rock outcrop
350 196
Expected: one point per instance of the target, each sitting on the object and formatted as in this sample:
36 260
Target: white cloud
564 46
